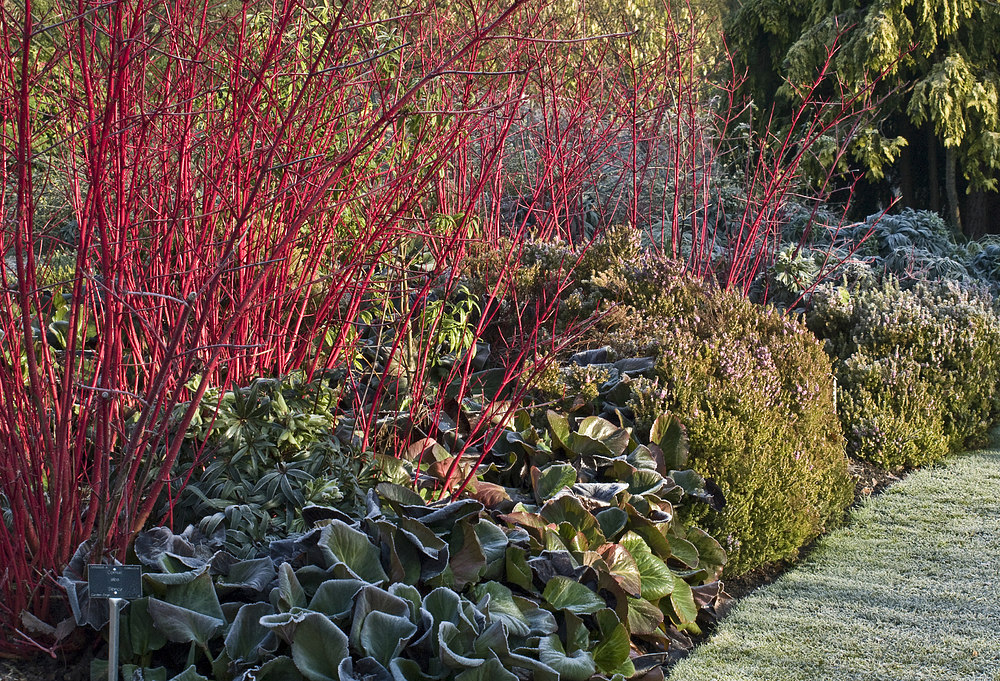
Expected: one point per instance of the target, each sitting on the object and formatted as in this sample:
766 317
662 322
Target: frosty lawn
908 590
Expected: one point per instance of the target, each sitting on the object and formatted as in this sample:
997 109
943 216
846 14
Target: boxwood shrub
752 387
918 367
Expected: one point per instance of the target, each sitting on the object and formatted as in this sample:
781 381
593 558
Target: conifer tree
939 61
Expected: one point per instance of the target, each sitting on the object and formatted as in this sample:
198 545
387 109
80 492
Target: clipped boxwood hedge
753 388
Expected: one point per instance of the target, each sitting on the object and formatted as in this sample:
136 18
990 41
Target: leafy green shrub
261 454
565 585
917 368
753 388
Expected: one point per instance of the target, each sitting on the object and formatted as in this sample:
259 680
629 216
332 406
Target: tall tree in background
938 136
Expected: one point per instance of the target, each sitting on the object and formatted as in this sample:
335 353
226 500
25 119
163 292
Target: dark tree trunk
951 189
932 171
982 214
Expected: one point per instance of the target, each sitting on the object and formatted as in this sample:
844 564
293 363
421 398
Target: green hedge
918 368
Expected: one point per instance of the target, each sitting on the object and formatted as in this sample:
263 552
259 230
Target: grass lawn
910 589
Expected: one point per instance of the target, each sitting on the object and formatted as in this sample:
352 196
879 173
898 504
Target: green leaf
139 635
518 571
279 669
541 621
577 635
599 436
684 551
383 636
559 427
682 601
182 625
189 674
352 552
366 669
318 647
246 635
467 558
335 597
612 649
643 616
568 509
623 568
645 481
491 670
657 579
452 645
408 670
576 667
130 671
642 459
563 593
669 434
192 591
493 542
248 574
501 607
612 521
711 556
398 494
550 481
369 600
290 592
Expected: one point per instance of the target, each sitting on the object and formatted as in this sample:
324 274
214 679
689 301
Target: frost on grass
906 591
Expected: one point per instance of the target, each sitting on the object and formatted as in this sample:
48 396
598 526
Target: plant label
115 581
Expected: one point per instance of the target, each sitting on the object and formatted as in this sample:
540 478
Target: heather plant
916 367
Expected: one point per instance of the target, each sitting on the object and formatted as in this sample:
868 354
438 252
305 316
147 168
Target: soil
869 481
72 667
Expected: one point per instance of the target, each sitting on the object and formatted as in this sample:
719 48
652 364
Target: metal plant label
115 581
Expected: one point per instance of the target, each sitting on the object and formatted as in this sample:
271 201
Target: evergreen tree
939 62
